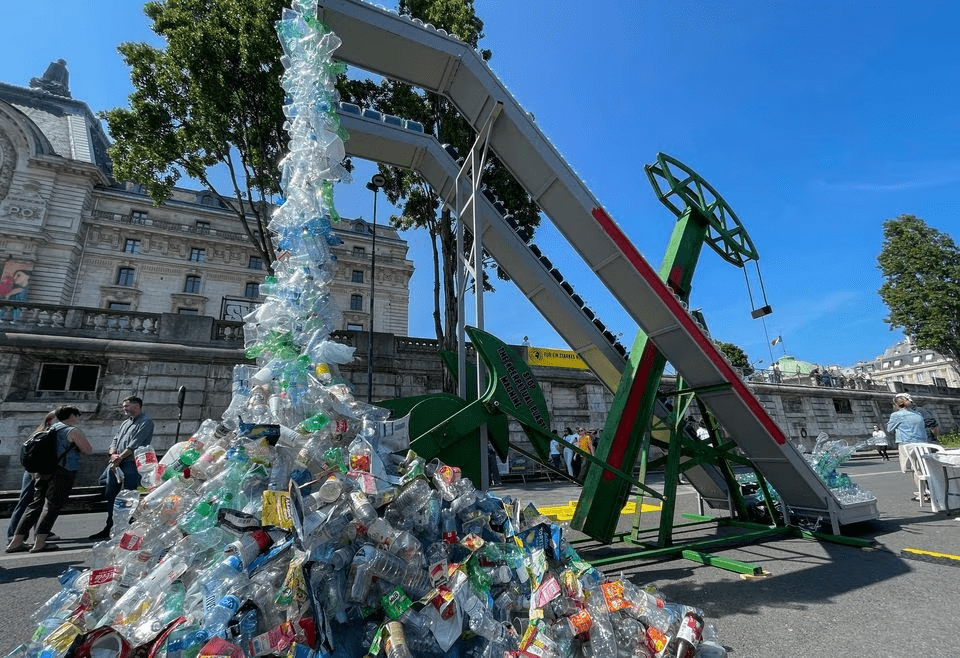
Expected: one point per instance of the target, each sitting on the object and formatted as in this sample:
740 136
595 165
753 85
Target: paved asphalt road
813 599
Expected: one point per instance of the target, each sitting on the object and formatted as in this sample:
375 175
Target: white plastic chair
944 480
921 472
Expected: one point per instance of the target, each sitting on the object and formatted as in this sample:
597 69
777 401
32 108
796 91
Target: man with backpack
51 482
135 432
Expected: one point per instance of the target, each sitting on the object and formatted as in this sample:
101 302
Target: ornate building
104 294
71 235
906 364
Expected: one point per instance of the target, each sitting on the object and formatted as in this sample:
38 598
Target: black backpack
38 454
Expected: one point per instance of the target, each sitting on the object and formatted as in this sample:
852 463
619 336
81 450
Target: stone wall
187 351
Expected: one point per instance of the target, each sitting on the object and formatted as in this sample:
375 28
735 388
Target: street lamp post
375 185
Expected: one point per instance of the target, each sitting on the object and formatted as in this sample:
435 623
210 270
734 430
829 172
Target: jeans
131 480
26 495
49 495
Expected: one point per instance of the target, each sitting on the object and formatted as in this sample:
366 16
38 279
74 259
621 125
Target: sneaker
103 535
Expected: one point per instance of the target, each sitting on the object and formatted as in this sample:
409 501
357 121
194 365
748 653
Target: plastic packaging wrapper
301 525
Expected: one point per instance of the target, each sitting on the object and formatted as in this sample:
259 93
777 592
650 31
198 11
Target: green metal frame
703 218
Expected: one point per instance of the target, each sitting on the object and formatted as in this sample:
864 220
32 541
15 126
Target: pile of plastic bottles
302 525
827 456
357 555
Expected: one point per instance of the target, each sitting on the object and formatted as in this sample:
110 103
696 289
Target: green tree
734 353
209 101
921 287
421 207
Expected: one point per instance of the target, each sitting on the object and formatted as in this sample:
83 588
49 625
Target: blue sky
815 121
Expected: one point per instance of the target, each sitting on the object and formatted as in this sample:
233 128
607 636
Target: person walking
51 491
881 441
26 486
135 432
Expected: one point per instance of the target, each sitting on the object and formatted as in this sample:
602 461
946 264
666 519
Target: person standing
50 492
571 439
881 442
930 422
905 423
135 432
26 485
556 459
585 443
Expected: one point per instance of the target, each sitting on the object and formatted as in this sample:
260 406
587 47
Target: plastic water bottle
145 460
602 639
217 618
710 646
124 507
372 562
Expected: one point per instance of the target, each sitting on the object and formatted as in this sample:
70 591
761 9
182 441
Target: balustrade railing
85 322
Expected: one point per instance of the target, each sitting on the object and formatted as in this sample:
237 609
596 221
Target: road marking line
931 556
565 512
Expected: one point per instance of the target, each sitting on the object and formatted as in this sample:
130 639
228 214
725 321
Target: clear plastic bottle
602 639
145 459
501 637
372 562
396 643
412 496
710 646
249 545
217 618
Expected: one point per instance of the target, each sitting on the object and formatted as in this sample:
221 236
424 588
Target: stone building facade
71 235
904 363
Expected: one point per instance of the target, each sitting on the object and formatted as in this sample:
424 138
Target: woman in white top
880 441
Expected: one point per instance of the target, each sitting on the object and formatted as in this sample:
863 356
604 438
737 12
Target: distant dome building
790 366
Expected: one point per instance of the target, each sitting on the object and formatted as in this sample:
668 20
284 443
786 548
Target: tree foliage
734 353
421 207
921 288
210 99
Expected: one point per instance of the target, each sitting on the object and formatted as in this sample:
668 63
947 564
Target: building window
192 285
255 263
842 406
928 357
896 364
359 251
62 377
125 276
919 376
139 217
252 290
357 276
131 246
198 255
354 327
916 359
356 302
792 405
203 228
118 306
886 364
188 311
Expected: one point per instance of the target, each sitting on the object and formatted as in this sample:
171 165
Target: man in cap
905 423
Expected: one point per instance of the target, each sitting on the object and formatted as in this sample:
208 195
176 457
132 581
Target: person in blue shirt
905 423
